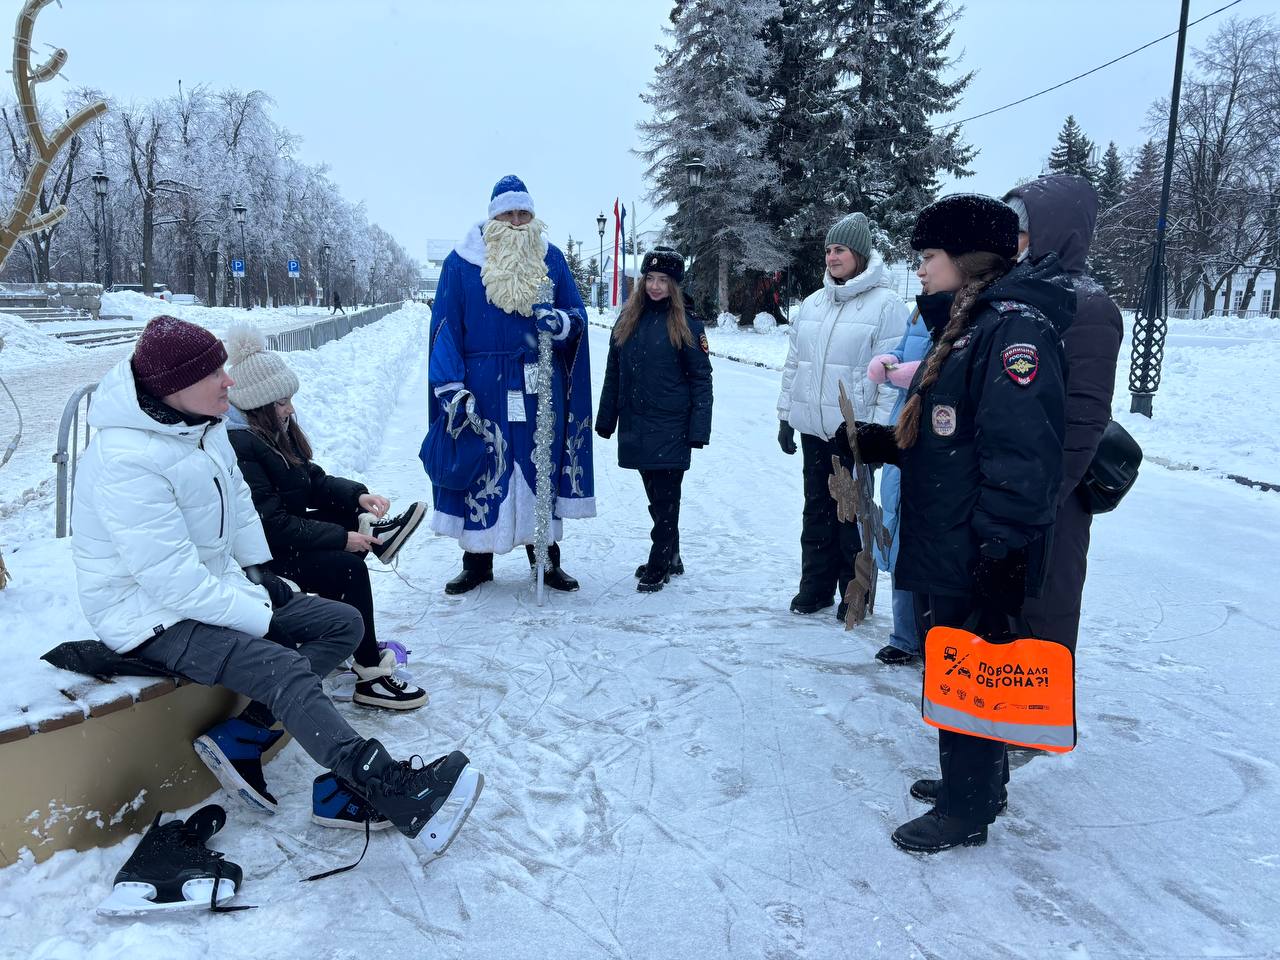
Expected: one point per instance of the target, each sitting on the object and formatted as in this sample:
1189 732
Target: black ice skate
434 800
172 869
392 533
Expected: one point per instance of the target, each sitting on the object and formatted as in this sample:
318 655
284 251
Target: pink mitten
902 376
877 371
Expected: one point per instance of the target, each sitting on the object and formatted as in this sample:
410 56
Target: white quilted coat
162 521
834 335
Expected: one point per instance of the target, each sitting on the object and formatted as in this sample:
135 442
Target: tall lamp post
600 222
351 294
1149 322
371 301
100 181
328 273
240 210
693 171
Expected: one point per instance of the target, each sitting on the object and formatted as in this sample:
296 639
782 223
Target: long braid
981 269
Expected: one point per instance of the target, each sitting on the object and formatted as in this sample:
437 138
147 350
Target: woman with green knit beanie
854 316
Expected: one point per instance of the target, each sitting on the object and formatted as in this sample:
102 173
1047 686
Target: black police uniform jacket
291 498
658 396
987 462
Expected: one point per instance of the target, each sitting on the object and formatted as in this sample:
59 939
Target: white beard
514 265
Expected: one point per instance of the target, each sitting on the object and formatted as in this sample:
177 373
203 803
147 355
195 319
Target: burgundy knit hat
172 354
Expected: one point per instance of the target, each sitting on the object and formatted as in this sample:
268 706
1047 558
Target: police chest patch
702 342
944 419
1021 361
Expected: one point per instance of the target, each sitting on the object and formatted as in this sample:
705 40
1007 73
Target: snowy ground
699 773
141 309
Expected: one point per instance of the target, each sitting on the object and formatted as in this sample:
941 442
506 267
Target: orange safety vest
1022 692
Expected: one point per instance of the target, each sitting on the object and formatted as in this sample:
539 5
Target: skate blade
341 687
231 781
441 830
134 899
334 823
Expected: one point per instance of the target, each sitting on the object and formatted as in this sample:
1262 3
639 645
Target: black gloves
1000 578
876 443
277 589
697 444
786 437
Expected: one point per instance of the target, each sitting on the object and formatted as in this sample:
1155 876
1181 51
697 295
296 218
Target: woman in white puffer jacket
838 329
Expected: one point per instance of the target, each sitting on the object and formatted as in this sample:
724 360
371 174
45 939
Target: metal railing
301 338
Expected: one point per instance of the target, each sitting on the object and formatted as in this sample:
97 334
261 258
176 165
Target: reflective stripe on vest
1022 692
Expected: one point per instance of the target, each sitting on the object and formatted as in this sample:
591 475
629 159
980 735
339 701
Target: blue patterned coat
477 345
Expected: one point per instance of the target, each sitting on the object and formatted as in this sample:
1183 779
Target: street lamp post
99 190
371 300
600 222
351 294
328 273
100 181
240 210
693 171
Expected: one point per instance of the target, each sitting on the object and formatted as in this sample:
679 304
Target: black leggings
663 490
336 575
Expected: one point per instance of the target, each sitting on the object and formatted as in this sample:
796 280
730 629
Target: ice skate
335 803
171 870
393 533
233 751
433 801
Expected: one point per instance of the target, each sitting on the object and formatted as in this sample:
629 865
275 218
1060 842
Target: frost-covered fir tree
578 270
1073 152
1105 262
706 102
895 78
806 111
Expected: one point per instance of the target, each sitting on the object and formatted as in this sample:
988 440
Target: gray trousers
272 672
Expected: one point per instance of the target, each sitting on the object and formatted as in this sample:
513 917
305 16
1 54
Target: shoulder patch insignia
702 342
1021 361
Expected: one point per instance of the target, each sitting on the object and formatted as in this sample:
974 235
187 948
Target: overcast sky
419 106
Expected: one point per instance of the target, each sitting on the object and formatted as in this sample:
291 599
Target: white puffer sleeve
140 514
892 324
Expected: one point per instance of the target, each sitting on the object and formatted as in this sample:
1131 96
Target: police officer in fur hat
979 443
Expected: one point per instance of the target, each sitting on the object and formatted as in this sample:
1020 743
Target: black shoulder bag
1113 470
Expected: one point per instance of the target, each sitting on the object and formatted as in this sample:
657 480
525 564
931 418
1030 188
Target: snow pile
1206 410
140 309
764 323
348 387
726 321
26 346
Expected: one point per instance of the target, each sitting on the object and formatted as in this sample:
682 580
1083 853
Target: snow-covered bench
85 762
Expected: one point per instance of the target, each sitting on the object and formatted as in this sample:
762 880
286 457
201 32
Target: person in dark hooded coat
657 393
1056 215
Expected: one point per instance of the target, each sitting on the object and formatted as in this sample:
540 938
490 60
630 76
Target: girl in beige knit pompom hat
320 528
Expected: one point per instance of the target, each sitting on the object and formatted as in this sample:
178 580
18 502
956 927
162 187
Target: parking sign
237 268
294 270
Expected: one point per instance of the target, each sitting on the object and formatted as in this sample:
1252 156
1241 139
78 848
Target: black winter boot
553 577
926 791
677 569
477 568
652 581
935 832
804 603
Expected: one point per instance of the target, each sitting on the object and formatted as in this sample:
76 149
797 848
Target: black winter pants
827 546
1055 614
336 575
974 770
663 489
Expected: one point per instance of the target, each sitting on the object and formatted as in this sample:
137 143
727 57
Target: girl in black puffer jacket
657 393
313 520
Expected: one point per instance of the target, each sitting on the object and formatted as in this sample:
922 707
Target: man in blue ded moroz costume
492 301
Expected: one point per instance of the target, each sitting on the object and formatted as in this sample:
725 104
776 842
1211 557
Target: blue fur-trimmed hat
509 194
